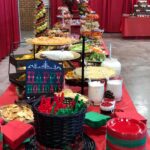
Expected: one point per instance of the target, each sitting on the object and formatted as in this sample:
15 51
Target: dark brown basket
57 131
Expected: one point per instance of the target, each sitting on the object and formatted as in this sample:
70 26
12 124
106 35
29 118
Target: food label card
43 77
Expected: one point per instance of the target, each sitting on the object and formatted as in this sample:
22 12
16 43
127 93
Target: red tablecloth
124 108
135 26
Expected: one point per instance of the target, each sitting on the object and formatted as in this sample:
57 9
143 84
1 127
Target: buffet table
135 26
124 108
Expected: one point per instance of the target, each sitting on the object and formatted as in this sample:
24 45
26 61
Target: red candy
107 104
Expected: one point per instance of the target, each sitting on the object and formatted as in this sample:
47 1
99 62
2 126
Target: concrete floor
134 56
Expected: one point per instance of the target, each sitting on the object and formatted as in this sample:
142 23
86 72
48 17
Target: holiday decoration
41 25
60 106
58 120
43 77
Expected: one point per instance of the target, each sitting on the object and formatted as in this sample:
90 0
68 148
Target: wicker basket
57 131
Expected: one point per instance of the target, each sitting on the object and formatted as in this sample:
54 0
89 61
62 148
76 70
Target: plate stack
126 134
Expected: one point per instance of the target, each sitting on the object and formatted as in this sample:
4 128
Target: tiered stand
17 63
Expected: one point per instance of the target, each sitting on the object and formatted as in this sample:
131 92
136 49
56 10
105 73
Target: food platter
58 55
95 72
91 72
78 48
95 57
21 112
51 41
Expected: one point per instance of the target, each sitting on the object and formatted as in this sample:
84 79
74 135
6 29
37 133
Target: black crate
13 79
18 63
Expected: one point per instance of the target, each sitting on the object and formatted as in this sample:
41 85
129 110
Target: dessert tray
58 55
21 112
55 41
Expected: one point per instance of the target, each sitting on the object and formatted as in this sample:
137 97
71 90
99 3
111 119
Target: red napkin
15 132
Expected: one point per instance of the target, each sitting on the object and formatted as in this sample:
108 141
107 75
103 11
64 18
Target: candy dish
107 106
